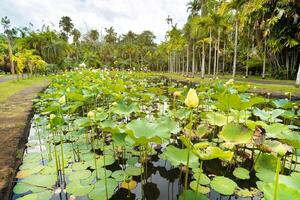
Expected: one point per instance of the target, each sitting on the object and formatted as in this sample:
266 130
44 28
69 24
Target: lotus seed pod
91 114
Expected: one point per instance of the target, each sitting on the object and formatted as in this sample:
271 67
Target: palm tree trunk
298 77
224 56
264 61
187 59
130 62
203 60
215 59
235 48
193 64
218 49
287 64
209 55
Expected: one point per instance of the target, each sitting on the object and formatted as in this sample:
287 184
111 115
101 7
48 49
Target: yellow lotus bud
91 114
229 82
191 100
62 100
176 93
52 116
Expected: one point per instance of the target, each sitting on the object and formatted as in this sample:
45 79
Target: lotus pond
120 135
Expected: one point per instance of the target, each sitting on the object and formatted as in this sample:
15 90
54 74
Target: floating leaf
223 185
241 173
190 194
178 156
201 189
236 133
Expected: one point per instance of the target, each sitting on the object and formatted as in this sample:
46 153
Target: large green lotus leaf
202 130
241 173
132 161
236 133
204 180
48 170
234 101
269 116
119 175
100 116
142 131
168 123
266 175
75 96
21 188
119 139
282 103
182 113
29 165
277 147
78 175
190 194
218 119
283 133
124 109
41 180
77 189
292 181
223 185
247 193
80 166
283 192
99 192
103 172
82 122
200 188
265 161
178 156
28 172
134 171
214 152
45 195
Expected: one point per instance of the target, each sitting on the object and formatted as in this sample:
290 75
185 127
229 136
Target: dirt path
15 115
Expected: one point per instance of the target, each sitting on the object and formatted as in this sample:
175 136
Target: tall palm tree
9 34
66 25
236 5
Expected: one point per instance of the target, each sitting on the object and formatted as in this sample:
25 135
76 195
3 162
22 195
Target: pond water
162 182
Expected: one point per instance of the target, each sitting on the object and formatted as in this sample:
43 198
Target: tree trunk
209 55
224 56
264 61
130 61
187 59
203 60
193 63
298 77
287 64
235 48
218 50
215 59
12 66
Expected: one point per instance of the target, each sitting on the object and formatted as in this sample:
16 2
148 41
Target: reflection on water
162 179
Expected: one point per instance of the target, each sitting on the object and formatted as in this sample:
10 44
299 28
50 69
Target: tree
9 36
66 25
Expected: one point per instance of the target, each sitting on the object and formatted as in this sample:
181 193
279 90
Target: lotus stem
277 178
188 156
95 159
105 181
62 157
198 180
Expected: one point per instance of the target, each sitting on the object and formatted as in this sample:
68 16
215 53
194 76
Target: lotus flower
191 100
176 94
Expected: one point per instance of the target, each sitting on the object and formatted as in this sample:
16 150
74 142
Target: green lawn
9 88
266 86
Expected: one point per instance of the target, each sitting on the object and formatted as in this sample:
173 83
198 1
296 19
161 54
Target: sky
123 15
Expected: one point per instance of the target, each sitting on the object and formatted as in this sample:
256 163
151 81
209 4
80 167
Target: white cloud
123 15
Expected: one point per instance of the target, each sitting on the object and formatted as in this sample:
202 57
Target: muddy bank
15 115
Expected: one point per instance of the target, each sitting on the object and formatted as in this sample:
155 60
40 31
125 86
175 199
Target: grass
257 87
9 88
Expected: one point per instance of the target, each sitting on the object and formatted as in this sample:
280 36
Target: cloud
123 15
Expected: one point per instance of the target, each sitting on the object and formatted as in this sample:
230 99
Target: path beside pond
15 115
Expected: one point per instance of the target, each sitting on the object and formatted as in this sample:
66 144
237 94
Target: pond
119 135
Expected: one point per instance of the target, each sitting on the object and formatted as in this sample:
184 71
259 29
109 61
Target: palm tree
236 5
298 77
66 25
9 34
